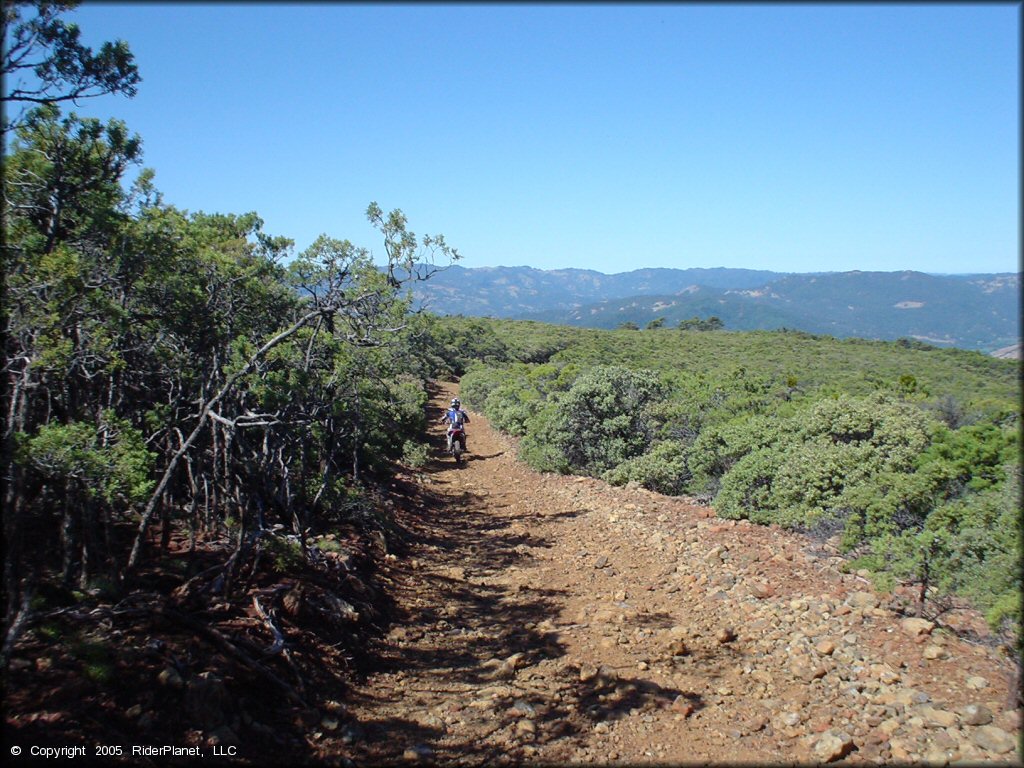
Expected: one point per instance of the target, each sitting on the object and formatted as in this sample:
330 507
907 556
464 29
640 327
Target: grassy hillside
816 362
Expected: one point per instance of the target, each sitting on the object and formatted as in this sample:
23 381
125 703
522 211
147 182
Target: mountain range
979 311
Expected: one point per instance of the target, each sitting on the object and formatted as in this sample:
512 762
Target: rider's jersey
456 417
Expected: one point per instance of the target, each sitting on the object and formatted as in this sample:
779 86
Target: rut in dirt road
555 619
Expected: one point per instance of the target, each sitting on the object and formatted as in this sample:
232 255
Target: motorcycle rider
456 417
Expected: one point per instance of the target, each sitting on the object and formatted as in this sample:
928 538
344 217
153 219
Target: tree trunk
68 538
14 501
925 577
165 525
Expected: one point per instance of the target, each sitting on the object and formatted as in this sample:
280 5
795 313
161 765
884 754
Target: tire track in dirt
552 619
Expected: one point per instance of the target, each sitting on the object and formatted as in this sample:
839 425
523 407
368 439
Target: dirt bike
456 442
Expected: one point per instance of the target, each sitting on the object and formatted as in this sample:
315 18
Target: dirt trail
553 619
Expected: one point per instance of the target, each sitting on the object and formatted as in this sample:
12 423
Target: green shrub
96 658
745 490
662 469
109 460
970 546
820 457
285 555
415 455
477 383
511 407
719 447
601 421
328 545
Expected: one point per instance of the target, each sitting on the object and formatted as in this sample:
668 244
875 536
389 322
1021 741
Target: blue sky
787 137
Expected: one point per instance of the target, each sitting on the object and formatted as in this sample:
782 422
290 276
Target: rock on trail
552 619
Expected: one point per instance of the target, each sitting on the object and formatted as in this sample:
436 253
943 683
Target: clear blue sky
786 137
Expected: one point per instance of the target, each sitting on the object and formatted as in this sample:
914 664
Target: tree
694 323
63 313
163 367
64 176
45 62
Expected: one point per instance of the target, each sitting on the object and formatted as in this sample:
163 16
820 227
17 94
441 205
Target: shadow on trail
466 627
442 460
469 616
612 697
474 653
482 456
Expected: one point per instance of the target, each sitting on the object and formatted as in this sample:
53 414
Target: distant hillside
519 291
967 311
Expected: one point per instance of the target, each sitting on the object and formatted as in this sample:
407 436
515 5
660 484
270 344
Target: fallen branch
183 591
278 644
231 649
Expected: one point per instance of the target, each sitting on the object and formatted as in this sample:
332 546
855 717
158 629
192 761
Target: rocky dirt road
548 619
